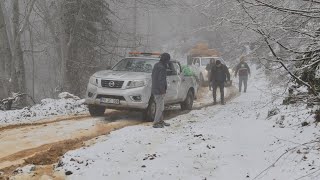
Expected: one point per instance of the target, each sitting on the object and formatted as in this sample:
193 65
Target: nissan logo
111 84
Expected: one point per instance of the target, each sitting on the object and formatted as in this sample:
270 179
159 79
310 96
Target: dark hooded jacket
220 74
159 76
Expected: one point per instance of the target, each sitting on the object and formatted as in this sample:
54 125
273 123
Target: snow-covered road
235 141
42 142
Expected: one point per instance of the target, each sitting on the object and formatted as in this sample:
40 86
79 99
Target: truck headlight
94 81
136 84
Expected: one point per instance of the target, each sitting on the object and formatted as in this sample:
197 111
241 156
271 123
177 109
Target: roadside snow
68 104
66 95
26 169
237 141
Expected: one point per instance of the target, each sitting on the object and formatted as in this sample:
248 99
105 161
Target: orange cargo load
201 49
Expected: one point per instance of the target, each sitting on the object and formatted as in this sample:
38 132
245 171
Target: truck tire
150 112
96 110
187 104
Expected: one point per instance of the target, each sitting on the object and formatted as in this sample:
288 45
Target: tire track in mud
44 122
53 120
44 143
49 152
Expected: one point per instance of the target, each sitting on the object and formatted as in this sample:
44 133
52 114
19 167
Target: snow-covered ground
245 139
68 104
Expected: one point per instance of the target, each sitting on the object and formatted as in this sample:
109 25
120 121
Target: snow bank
68 104
66 95
286 116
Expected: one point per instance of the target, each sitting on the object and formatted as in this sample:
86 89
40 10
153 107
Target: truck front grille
111 84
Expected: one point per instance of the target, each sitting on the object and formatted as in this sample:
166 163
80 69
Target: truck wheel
96 110
150 112
188 102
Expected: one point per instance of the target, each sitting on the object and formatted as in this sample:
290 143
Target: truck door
183 86
174 82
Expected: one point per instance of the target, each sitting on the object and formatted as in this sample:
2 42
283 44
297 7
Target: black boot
222 102
164 123
158 125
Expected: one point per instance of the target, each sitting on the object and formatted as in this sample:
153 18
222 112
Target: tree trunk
57 31
5 60
64 49
18 73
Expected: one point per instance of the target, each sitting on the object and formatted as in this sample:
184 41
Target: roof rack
137 53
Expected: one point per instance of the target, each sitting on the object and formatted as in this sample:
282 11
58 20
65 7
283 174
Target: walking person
159 88
219 75
244 71
208 68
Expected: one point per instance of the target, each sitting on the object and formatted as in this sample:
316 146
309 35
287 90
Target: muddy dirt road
43 143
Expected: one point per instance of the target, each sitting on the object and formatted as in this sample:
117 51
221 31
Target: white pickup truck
128 86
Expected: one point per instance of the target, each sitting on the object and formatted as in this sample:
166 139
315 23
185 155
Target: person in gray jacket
159 88
244 71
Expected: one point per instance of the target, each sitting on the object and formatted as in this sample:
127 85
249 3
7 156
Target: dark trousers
215 85
244 80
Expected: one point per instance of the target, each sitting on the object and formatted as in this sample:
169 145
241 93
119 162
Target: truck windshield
135 65
205 61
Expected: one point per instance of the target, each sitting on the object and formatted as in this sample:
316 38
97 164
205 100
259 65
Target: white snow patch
303 89
66 95
68 104
25 170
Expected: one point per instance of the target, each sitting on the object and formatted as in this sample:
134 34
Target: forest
53 46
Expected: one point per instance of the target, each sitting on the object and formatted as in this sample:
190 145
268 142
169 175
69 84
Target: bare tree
5 60
292 36
277 33
13 36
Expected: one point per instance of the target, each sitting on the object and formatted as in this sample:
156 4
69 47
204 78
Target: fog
51 46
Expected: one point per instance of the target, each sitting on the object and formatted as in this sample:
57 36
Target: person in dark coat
219 75
208 68
244 71
159 88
